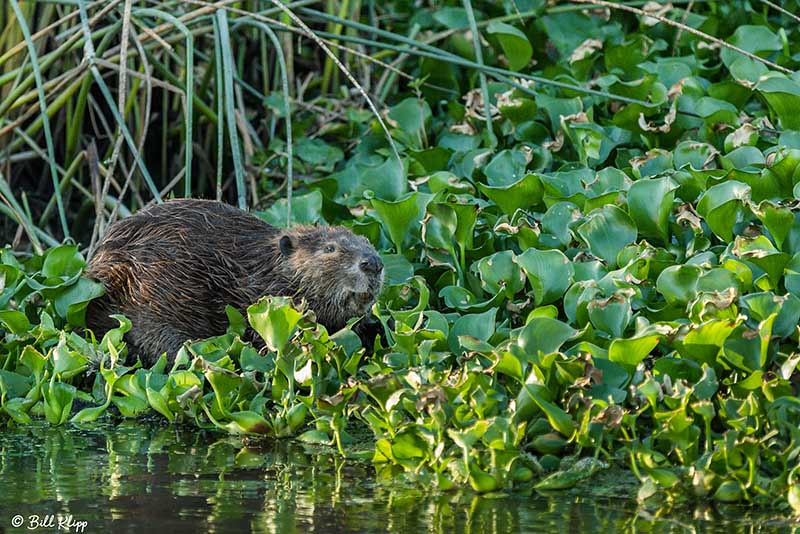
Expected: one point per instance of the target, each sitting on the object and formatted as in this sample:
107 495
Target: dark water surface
143 477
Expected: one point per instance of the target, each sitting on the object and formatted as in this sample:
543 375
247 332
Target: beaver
173 267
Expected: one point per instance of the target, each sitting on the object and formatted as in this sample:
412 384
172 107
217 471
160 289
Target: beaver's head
339 273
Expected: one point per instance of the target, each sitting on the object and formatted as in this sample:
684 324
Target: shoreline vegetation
588 214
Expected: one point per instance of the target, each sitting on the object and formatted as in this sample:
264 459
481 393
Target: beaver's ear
287 246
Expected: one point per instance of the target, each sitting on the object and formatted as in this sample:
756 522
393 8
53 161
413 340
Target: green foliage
612 272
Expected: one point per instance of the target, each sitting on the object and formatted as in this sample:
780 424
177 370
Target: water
139 476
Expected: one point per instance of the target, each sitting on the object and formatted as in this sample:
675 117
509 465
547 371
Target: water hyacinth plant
588 213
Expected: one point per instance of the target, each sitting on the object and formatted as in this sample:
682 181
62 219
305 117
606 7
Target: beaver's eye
329 248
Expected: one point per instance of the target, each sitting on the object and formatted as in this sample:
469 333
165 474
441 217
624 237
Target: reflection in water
137 475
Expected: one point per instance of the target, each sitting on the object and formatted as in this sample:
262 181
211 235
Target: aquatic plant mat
135 473
588 214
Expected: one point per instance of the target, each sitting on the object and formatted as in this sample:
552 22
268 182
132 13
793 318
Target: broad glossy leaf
544 335
631 351
477 325
401 217
499 273
761 252
67 363
506 168
63 262
760 306
783 97
439 227
549 272
557 220
275 320
703 342
526 193
612 314
58 398
248 422
779 220
14 321
517 48
71 303
747 348
650 203
678 283
412 116
721 206
607 231
306 209
558 418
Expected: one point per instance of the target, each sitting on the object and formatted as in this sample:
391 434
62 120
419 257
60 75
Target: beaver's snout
372 264
365 297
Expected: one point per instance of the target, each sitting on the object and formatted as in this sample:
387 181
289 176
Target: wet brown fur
172 268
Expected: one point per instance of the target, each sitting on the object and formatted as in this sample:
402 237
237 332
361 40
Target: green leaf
612 314
549 272
650 203
506 168
761 252
236 322
451 17
439 227
15 321
400 217
87 415
477 325
525 193
779 220
63 262
760 306
678 283
13 384
631 351
517 48
248 422
544 335
411 116
707 386
72 302
58 398
33 360
67 363
558 418
317 152
607 231
721 206
499 273
409 445
306 209
783 97
397 269
274 319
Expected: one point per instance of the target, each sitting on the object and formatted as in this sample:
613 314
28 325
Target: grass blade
48 134
476 44
228 68
286 109
89 50
219 94
189 95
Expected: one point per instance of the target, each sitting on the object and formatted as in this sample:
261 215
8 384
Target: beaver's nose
372 264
